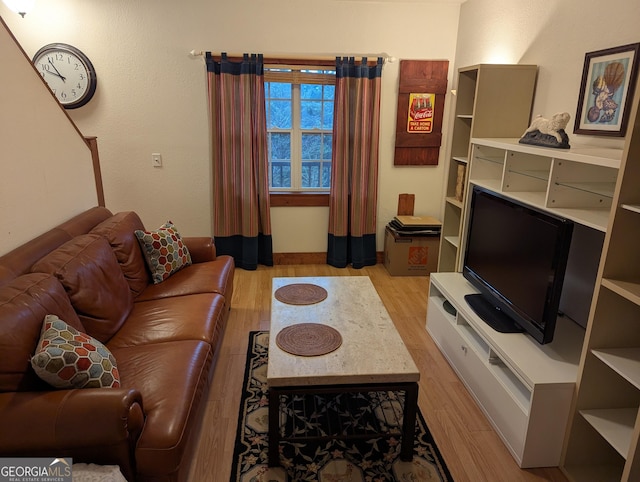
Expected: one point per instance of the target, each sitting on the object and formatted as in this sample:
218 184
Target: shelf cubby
595 459
526 172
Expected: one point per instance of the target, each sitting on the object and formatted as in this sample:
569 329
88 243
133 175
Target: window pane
327 116
316 174
280 174
326 174
329 92
311 146
327 113
311 174
311 153
316 146
280 146
316 160
279 160
277 90
278 105
279 114
327 140
316 114
310 114
311 91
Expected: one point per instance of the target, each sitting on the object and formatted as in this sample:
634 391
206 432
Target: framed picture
608 81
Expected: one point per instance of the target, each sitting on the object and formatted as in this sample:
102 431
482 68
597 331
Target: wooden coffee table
371 358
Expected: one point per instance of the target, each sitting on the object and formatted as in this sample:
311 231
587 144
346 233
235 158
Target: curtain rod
385 57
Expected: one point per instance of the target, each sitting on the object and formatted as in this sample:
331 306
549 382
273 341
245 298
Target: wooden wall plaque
421 92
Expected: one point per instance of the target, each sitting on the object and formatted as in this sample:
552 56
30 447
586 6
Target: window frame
302 199
297 195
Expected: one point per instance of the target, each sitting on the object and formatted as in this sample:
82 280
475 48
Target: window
299 108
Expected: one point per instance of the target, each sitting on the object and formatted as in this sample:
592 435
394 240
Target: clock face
68 73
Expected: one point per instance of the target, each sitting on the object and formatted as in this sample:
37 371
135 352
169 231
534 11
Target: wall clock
68 72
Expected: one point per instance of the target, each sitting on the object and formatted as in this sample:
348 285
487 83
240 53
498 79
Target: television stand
524 388
492 315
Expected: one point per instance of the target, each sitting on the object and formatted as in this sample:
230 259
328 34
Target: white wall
46 171
553 34
151 95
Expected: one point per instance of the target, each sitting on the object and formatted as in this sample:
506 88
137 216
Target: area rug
358 460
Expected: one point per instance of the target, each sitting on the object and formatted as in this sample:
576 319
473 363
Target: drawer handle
464 349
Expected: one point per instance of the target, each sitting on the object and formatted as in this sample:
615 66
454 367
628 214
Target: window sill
305 199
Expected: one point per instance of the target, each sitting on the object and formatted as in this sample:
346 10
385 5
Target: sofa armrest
201 248
76 423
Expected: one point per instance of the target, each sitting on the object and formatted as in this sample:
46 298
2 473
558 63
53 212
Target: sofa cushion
91 275
24 303
210 277
119 231
193 317
164 251
68 358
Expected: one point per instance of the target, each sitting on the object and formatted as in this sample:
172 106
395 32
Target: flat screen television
516 257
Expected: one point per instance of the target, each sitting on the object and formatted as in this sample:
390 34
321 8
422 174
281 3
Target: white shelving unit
492 100
604 429
524 388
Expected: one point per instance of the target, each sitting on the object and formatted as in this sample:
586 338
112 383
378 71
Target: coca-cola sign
420 118
423 114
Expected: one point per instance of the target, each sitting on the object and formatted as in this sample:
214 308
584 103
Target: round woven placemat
308 339
300 294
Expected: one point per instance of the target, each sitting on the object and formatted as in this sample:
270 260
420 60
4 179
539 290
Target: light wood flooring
471 449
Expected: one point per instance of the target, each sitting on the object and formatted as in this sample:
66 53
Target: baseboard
310 258
299 258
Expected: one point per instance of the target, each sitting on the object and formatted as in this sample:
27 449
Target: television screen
516 257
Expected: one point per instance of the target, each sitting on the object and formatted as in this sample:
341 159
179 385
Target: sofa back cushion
24 304
119 231
21 259
89 271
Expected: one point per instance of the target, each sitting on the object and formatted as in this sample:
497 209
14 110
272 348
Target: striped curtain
353 197
241 219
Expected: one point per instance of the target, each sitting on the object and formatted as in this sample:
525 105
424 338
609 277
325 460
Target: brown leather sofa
164 337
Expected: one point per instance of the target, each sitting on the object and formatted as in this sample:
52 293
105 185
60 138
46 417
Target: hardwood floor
472 450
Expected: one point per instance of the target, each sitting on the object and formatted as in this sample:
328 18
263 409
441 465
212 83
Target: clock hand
57 71
53 73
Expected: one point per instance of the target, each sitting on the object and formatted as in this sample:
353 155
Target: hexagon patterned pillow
68 358
164 251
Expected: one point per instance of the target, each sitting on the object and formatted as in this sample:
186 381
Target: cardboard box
410 255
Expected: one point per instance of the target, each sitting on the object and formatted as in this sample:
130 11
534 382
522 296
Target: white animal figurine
549 126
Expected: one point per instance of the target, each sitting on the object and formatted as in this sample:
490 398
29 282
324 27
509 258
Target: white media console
524 388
